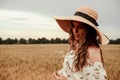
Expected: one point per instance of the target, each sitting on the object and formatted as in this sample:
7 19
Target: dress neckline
71 52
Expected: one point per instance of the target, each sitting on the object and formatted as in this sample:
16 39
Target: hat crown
89 11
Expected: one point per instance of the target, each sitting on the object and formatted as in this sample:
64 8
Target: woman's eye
81 27
73 25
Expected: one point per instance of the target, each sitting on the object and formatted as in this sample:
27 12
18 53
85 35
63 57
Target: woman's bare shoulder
94 54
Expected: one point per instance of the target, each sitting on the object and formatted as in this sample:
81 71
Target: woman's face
79 30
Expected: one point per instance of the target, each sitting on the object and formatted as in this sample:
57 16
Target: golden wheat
37 62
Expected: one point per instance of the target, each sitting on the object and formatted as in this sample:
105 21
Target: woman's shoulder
94 54
93 49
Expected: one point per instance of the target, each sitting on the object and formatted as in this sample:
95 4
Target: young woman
84 61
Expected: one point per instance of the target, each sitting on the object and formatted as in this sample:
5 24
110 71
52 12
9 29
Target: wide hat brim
64 23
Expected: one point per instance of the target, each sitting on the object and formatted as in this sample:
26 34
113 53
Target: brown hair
81 50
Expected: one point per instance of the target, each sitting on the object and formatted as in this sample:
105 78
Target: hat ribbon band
86 17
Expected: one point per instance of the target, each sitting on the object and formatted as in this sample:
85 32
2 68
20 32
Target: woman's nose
75 30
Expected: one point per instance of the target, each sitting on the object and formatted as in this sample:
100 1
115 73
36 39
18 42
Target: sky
35 18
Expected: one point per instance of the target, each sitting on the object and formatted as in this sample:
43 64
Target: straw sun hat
86 15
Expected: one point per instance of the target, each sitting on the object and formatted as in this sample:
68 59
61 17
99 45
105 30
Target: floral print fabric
93 71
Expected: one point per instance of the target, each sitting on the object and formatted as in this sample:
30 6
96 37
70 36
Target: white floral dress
93 71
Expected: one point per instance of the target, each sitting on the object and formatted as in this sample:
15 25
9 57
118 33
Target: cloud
28 24
35 15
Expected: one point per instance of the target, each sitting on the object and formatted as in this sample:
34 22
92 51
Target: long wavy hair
81 49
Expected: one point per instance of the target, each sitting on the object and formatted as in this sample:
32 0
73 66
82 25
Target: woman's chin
76 39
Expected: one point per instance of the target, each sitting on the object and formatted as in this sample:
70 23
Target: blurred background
31 22
34 18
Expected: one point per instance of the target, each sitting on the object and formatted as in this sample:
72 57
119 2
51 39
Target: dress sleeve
99 72
91 72
96 71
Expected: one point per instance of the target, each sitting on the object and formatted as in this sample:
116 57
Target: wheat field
38 61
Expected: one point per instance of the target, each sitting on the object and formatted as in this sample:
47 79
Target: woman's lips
76 35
